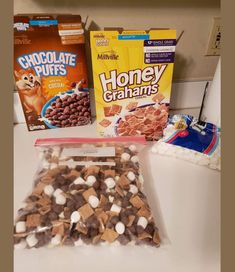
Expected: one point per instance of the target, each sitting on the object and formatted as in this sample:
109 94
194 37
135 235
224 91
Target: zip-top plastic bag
87 191
187 138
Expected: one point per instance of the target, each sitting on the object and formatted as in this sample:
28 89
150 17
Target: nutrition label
159 51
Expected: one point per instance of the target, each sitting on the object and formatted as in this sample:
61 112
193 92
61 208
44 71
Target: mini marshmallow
56 152
141 179
125 157
117 178
134 159
79 180
61 215
132 148
41 155
93 201
45 164
110 182
79 242
20 227
56 240
48 190
115 208
57 192
53 165
90 180
31 240
104 243
120 228
131 243
21 245
111 199
116 243
143 222
60 199
131 176
119 203
75 217
133 189
41 229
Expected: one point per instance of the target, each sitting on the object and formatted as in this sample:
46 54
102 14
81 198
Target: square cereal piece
58 228
81 228
88 193
101 227
116 109
107 112
47 180
131 219
86 211
44 201
156 238
103 216
144 235
96 239
128 117
119 190
123 182
105 123
39 188
109 173
44 210
121 131
109 235
158 98
30 206
103 200
91 170
33 220
137 202
73 173
131 105
144 211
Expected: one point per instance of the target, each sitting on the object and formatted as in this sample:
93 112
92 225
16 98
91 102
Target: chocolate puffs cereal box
132 73
50 70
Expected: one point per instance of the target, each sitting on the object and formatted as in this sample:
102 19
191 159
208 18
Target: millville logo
108 55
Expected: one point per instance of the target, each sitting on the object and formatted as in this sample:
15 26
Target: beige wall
194 17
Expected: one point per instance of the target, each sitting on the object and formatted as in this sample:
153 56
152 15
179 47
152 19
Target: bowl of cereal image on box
68 109
148 120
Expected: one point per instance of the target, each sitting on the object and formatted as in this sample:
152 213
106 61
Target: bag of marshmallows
87 191
187 138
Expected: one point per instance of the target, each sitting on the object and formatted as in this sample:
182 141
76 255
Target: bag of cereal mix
87 191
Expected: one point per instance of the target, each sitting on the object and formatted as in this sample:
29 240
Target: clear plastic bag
87 191
187 138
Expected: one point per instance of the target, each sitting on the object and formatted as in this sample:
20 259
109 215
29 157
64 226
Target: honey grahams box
132 73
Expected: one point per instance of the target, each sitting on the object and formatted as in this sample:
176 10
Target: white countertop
189 197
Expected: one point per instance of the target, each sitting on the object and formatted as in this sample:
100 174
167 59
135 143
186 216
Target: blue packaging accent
133 37
193 134
43 22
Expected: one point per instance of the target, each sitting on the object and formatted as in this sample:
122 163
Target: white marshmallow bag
187 138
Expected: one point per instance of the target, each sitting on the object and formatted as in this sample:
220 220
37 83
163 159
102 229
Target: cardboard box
50 70
132 73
